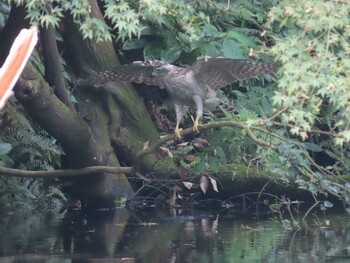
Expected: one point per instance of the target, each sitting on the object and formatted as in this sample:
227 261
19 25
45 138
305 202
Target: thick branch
53 72
62 123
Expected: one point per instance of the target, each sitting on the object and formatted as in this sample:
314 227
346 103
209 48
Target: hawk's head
164 70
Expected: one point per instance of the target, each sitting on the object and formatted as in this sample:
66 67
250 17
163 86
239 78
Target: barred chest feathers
183 87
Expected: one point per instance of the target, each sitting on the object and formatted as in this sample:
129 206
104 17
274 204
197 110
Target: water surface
118 236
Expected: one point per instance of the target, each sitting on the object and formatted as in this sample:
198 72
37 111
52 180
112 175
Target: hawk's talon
178 132
195 125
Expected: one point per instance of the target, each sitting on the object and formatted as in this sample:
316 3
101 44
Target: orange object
15 62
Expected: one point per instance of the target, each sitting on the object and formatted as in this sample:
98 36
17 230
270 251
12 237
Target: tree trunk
82 146
129 123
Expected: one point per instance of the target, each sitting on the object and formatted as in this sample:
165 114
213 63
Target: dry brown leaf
189 158
145 145
252 53
214 183
204 183
303 135
188 185
200 143
182 144
165 151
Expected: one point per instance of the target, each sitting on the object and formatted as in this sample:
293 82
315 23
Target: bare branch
273 116
64 173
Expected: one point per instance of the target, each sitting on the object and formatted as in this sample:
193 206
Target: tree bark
53 73
81 146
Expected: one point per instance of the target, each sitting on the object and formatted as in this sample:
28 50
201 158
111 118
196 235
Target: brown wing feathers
219 72
215 73
139 72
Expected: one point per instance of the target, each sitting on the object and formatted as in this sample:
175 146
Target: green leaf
327 204
275 206
232 49
312 147
242 38
134 44
300 182
213 164
152 51
171 54
5 148
211 50
209 30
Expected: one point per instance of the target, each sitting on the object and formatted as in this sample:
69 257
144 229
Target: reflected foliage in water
23 232
117 236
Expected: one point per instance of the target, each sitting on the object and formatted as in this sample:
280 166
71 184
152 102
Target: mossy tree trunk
102 128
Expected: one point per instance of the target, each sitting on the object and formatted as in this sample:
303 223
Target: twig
328 133
273 116
310 209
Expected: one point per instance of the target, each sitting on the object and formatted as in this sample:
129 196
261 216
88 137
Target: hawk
195 86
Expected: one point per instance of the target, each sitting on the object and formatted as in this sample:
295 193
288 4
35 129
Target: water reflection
117 236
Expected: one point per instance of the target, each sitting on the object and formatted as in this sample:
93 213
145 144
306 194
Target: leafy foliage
126 17
30 148
210 31
315 65
312 47
179 26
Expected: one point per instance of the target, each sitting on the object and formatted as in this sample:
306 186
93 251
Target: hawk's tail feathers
219 108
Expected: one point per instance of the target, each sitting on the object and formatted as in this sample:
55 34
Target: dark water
118 236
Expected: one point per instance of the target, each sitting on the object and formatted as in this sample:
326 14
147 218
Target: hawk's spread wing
217 73
138 72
